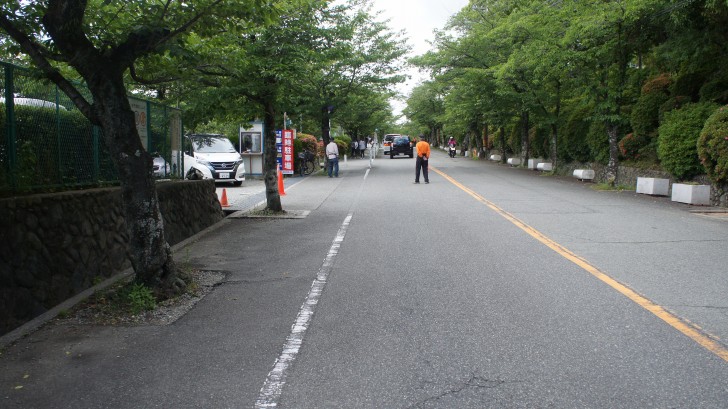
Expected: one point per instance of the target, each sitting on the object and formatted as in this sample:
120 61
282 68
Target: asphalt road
489 287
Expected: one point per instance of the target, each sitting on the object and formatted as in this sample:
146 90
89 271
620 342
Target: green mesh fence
47 144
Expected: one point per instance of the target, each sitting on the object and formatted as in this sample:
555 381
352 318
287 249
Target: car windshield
390 137
401 141
212 144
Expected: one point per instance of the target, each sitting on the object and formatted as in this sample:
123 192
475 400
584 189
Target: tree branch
37 54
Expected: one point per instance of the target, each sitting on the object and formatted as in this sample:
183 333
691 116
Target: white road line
271 391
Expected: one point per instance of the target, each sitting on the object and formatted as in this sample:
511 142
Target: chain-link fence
48 144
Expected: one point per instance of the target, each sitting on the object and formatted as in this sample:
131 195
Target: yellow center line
690 331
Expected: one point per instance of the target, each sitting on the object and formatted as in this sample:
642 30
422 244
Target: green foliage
27 165
52 148
140 298
678 137
598 142
688 84
672 104
645 117
343 145
713 146
573 142
715 88
308 142
303 142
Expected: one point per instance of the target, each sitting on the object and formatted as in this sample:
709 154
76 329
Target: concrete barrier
653 186
533 163
691 194
514 161
495 158
545 166
584 174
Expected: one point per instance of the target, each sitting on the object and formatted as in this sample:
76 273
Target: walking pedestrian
362 147
423 157
332 153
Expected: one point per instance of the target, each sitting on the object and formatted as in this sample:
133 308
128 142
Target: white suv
211 156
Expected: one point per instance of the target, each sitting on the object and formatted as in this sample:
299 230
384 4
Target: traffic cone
224 201
281 190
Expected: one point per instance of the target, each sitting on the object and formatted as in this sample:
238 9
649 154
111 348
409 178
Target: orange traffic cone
224 201
281 190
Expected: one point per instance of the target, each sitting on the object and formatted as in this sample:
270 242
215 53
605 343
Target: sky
418 18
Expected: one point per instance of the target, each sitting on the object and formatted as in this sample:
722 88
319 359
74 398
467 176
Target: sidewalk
218 353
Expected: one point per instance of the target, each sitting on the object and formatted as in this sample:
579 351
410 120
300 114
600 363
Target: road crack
475 381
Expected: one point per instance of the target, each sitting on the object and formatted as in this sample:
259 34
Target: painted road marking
688 330
271 391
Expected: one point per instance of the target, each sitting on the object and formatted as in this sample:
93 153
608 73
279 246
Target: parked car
160 166
213 156
401 145
387 142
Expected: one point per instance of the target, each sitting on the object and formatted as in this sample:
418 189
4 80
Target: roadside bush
343 145
598 142
304 142
678 138
713 146
716 88
631 145
308 142
645 117
672 104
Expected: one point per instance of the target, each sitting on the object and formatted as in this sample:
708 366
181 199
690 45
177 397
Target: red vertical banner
287 148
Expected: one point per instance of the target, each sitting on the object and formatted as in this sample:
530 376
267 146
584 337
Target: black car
401 145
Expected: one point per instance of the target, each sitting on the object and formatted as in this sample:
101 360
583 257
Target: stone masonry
57 245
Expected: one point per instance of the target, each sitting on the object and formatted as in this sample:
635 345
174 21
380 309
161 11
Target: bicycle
306 163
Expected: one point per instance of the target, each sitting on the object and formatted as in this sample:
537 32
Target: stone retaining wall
57 245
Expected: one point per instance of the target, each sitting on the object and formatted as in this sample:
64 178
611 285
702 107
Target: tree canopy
537 68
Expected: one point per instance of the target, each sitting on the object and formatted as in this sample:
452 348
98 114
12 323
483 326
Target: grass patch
122 299
265 212
608 187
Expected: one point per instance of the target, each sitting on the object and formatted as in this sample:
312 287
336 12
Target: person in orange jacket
423 156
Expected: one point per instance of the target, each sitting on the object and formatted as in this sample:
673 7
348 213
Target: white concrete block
584 174
514 161
653 186
691 194
533 163
495 158
545 166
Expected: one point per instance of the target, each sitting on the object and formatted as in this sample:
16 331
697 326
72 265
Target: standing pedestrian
423 157
354 145
332 153
362 147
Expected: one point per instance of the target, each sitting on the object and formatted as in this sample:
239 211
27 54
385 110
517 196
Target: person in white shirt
332 153
362 147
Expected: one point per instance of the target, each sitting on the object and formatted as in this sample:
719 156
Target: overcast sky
418 18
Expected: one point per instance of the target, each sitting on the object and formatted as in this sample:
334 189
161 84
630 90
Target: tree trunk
613 164
554 145
325 125
503 144
270 162
149 252
478 141
486 141
525 145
